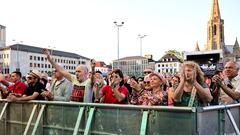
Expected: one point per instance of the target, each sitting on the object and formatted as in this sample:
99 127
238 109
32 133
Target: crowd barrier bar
148 113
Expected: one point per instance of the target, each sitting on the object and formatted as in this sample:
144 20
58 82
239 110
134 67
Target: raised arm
65 73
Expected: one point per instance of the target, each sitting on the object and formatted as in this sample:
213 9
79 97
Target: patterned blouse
148 97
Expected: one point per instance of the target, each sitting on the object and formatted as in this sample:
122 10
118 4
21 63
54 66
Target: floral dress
148 97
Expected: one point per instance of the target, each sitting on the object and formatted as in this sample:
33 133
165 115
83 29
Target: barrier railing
67 118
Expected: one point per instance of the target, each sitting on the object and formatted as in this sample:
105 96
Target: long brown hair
194 65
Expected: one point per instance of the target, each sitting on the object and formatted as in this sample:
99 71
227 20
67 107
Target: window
38 65
34 57
30 57
38 58
30 65
214 30
42 59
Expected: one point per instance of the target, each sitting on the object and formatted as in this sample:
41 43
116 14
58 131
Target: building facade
133 65
24 58
101 66
169 63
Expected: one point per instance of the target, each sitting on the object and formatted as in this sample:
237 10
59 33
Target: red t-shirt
110 97
18 88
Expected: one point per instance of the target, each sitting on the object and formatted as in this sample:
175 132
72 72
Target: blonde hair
194 65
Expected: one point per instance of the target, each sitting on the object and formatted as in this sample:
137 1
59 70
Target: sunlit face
116 78
57 74
230 70
81 74
14 77
155 82
189 71
31 79
147 81
175 81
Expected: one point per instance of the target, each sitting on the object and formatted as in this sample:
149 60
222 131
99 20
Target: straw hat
35 73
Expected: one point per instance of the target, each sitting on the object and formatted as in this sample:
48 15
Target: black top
38 87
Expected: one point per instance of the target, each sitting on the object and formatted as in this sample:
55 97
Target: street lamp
18 64
118 26
140 38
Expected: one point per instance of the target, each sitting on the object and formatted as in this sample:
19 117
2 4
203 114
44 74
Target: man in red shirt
16 87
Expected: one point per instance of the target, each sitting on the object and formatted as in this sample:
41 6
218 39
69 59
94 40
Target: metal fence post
78 121
89 121
144 123
3 110
30 119
38 120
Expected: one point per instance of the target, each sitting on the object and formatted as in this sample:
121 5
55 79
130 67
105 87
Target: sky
86 27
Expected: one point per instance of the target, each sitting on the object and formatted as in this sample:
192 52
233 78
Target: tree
176 53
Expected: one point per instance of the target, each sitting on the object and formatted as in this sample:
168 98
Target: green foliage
176 53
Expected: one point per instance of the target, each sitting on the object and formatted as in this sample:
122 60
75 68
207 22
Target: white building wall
14 56
167 67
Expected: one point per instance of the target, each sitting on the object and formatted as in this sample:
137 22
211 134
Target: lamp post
118 26
140 38
18 64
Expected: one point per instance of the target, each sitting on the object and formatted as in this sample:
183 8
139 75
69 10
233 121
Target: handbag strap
192 98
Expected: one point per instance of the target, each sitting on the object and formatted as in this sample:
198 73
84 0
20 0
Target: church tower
215 35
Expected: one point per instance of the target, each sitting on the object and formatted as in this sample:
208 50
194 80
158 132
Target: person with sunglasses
147 71
155 95
60 89
34 89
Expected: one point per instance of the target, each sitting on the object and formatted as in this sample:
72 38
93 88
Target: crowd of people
189 87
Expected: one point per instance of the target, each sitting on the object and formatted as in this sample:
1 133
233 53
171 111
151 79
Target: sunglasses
30 78
147 72
146 83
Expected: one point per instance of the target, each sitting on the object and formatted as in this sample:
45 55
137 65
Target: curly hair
194 65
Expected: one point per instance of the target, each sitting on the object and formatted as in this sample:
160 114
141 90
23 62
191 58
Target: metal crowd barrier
71 118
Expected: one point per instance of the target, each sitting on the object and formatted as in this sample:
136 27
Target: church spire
236 49
197 47
215 35
215 13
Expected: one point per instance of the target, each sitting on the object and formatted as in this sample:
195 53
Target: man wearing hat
34 90
82 89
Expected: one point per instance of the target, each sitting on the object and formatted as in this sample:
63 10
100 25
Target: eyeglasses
147 72
146 83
